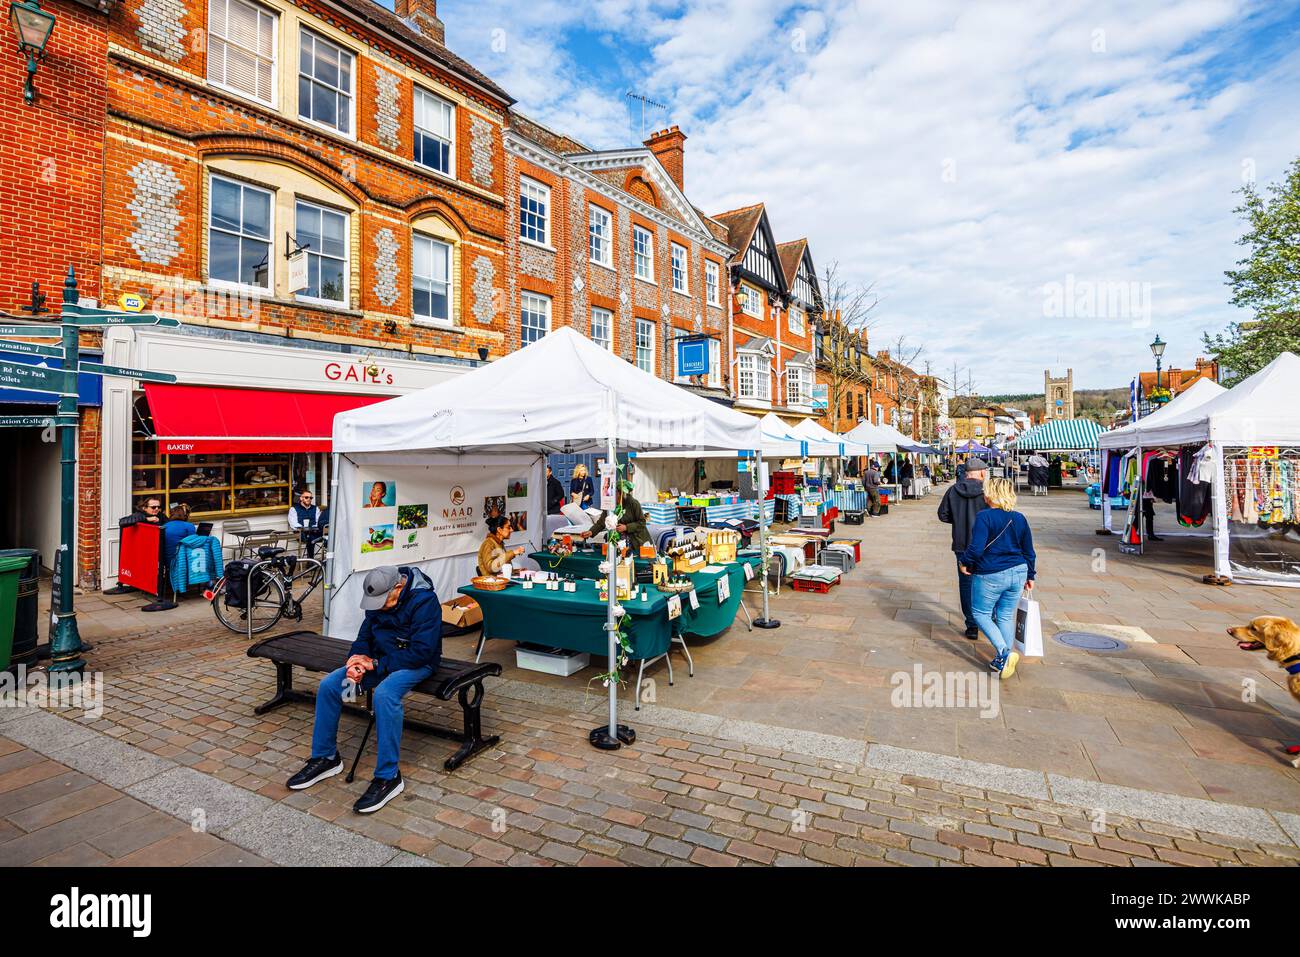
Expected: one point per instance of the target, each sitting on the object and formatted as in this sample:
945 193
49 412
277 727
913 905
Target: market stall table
580 564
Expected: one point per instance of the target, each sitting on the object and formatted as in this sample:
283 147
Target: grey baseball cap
974 465
379 582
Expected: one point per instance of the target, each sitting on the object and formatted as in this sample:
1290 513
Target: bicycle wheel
266 608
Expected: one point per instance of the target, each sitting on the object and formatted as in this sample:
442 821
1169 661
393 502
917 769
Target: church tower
1058 395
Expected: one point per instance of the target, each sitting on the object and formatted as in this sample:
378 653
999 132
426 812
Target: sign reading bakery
364 373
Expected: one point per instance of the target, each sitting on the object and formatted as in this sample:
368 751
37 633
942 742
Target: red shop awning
196 419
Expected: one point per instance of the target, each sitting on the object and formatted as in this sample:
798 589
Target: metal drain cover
1089 641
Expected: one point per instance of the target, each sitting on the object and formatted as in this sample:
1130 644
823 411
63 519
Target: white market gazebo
1258 416
446 447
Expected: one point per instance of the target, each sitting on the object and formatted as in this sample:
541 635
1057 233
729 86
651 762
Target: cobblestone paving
784 749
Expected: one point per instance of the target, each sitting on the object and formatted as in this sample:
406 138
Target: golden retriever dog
1280 639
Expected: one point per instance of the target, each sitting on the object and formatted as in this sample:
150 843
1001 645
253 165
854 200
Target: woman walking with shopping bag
1001 559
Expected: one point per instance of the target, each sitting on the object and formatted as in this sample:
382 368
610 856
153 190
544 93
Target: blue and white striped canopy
1061 435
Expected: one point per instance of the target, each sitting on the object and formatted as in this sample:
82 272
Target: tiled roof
740 225
791 254
544 136
387 21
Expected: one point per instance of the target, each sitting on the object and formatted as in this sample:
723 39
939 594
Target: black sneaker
380 792
317 769
972 633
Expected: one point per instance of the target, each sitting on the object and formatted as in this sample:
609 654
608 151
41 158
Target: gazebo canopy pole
612 736
766 621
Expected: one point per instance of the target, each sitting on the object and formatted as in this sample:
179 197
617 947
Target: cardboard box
557 662
462 612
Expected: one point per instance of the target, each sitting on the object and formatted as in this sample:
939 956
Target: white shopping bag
1029 629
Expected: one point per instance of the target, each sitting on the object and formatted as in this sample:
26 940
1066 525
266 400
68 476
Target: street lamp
33 27
1158 350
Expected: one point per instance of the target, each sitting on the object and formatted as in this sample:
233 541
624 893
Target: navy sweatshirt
991 552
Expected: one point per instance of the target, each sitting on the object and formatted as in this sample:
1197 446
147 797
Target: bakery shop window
215 486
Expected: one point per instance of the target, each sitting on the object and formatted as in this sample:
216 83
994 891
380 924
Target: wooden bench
316 652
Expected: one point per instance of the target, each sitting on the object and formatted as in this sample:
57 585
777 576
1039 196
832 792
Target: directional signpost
65 643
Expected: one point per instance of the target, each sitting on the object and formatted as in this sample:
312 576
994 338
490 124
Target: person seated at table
178 527
554 493
398 645
149 510
632 527
493 554
307 520
581 488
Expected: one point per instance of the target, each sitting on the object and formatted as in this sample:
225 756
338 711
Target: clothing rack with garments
1263 486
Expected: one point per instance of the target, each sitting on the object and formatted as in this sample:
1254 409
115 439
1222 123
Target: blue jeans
963 588
994 599
388 715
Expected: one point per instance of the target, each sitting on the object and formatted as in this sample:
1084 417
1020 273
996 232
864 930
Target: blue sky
1027 184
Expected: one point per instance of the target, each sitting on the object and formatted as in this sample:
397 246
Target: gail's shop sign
366 373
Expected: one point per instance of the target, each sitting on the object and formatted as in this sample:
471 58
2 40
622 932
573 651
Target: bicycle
269 592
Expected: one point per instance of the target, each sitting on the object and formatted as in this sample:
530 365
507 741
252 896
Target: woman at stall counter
581 487
632 528
493 554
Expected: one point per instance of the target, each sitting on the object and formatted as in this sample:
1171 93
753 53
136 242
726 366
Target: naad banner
413 513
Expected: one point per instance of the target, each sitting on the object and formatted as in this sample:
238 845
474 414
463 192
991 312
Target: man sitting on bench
399 645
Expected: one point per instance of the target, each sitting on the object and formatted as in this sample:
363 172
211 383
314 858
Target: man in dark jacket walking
960 505
398 646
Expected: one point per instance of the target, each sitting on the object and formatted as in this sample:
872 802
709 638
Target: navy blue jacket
998 541
408 636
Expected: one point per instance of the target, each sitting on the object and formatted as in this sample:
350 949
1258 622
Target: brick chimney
424 15
669 147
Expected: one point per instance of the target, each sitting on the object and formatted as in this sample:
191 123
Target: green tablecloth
571 620
712 618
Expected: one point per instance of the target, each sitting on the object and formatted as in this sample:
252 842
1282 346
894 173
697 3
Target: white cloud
848 139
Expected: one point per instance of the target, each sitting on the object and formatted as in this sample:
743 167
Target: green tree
1267 281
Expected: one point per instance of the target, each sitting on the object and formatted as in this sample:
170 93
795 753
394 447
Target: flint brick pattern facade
386 267
388 111
162 28
154 207
481 151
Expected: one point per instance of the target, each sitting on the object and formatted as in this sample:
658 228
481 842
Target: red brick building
51 184
607 243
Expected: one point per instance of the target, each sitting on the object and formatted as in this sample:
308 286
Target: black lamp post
33 27
1158 350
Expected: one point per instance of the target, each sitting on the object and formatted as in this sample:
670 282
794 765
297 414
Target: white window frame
351 132
711 284
417 130
535 304
270 251
645 326
423 320
715 363
753 307
796 328
684 272
600 233
539 193
608 341
801 375
759 367
346 301
648 257
262 11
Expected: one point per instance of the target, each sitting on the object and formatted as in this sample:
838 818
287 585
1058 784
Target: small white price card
674 607
749 571
695 599
724 589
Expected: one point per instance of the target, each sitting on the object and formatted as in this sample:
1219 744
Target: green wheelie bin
11 567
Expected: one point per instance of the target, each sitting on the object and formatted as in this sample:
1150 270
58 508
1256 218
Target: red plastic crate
812 584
